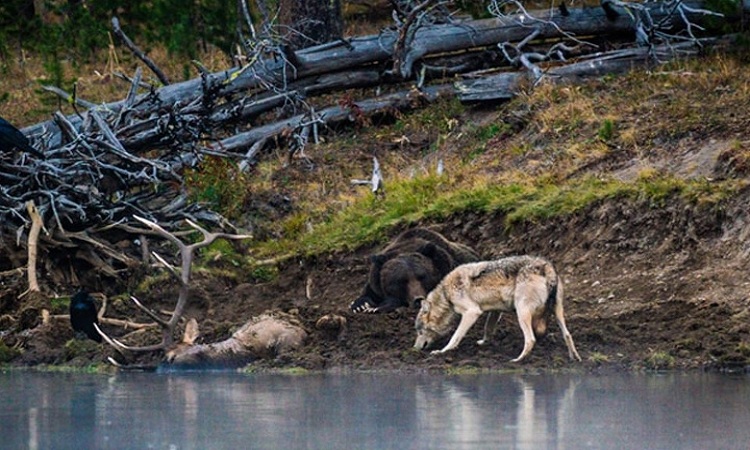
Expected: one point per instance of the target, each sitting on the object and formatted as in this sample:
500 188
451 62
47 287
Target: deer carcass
264 336
267 335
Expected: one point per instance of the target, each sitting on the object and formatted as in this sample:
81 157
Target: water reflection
227 410
518 411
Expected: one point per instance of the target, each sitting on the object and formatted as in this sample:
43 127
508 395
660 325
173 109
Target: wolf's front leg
493 318
467 320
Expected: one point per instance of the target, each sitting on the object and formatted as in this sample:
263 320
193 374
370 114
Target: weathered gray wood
505 86
138 52
246 109
400 100
474 33
501 86
362 51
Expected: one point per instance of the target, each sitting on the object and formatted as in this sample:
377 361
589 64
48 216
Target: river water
219 410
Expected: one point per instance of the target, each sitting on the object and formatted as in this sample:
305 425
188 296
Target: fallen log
363 51
396 101
475 33
505 86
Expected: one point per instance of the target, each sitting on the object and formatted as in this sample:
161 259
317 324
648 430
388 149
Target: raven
83 315
11 137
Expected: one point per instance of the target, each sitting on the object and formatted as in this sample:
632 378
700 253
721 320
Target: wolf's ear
424 307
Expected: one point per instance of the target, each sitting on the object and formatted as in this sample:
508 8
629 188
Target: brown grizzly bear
407 269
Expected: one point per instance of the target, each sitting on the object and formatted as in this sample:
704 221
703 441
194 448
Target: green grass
607 130
659 361
7 353
59 305
435 198
599 358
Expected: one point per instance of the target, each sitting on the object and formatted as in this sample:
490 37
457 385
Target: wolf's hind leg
493 318
572 352
467 320
525 315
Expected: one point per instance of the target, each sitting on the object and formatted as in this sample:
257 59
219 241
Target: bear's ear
441 259
429 249
379 258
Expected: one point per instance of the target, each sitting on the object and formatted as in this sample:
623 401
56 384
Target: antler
182 275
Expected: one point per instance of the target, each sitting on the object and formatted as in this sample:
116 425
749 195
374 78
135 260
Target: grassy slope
551 151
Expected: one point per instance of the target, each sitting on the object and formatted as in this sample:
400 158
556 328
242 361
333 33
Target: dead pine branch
69 98
401 100
504 86
126 324
138 52
651 28
376 180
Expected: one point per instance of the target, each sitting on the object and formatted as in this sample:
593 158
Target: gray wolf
406 270
527 284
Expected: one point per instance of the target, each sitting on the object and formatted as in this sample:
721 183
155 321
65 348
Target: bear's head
408 277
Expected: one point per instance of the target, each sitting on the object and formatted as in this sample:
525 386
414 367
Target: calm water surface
363 411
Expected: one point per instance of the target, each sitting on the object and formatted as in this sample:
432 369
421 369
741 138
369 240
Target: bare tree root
33 246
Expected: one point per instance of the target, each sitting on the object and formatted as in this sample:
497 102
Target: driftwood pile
111 162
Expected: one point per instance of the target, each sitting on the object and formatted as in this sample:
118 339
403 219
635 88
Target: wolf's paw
482 341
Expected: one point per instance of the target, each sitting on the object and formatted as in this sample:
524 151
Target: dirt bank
646 288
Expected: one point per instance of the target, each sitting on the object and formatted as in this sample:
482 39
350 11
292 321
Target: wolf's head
425 334
433 321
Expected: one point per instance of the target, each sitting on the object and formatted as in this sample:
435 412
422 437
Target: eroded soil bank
646 287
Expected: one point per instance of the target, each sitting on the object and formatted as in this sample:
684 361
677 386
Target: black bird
83 315
11 137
